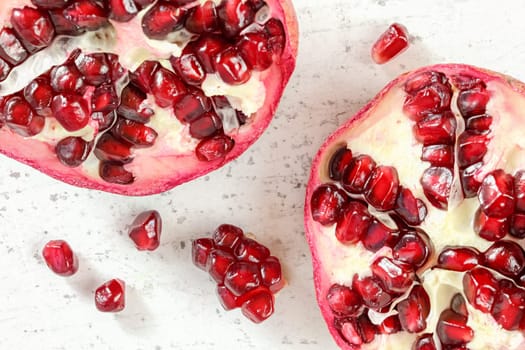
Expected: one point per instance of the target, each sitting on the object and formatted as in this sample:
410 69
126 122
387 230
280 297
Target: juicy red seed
338 162
19 116
59 257
227 236
432 99
491 229
353 223
116 69
458 258
519 190
390 43
134 132
203 18
356 331
469 179
162 19
372 292
411 209
145 230
71 111
467 82
205 126
343 301
214 148
66 78
72 151
438 155
50 4
64 26
436 182
414 310
271 275
412 249
479 124
226 298
86 14
94 67
189 68
11 50
395 276
110 148
166 87
480 288
231 67
218 263
259 306
452 328
496 194
458 304
471 148
104 99
235 16
133 105
357 173
472 102
32 26
207 48
115 172
200 251
253 48
110 297
191 106
423 80
506 257
517 225
39 93
143 75
436 129
509 305
242 277
5 69
390 325
105 120
276 36
327 204
382 188
251 251
122 10
425 342
377 236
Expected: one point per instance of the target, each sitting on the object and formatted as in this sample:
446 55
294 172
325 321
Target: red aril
60 258
111 296
145 230
390 44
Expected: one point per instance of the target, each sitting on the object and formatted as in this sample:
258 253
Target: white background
170 303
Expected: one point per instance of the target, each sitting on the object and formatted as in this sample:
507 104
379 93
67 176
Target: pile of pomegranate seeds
390 44
247 276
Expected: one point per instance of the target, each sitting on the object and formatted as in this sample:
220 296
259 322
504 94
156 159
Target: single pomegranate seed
353 223
469 179
122 10
235 16
116 70
412 249
458 258
111 297
432 99
479 124
472 102
207 48
33 27
372 292
115 172
143 75
50 4
459 305
227 236
231 67
227 299
145 230
436 129
271 275
205 126
39 93
491 229
191 106
200 251
203 18
436 182
134 132
390 325
343 301
424 79
496 194
506 257
86 14
71 111
214 148
411 209
162 19
425 342
395 276
480 288
357 173
19 116
112 149
218 263
467 82
63 26
66 78
104 120
72 151
438 155
517 225
11 49
414 310
5 69
251 251
382 188
242 277
189 67
519 190
276 36
134 105
356 331
166 87
94 67
60 258
390 43
509 305
339 161
253 48
259 306
104 99
452 328
327 204
471 148
378 235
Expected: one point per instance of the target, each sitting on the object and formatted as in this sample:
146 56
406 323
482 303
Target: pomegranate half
415 215
137 96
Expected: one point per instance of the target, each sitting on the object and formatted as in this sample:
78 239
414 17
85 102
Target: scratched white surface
171 304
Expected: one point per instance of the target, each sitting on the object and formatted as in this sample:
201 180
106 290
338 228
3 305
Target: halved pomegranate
414 211
135 97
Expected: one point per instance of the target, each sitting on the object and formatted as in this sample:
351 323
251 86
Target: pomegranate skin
168 172
319 175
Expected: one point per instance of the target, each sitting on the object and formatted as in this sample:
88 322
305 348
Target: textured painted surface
171 304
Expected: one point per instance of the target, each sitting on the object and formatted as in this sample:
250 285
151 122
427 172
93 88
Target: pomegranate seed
218 263
276 36
72 151
395 276
227 299
133 105
390 43
471 148
50 4
259 306
60 258
205 126
469 182
251 251
372 292
491 229
496 194
438 155
143 75
467 82
162 19
191 106
71 111
425 342
458 258
506 257
436 182
227 236
39 93
271 275
242 277
33 27
458 304
116 70
114 172
110 297
66 78
343 301
509 305
86 14
207 48
382 188
377 236
411 209
339 161
414 310
517 225
472 102
200 251
122 10
214 148
436 129
19 116
480 288
353 223
5 69
188 67
94 67
104 99
519 190
136 133
166 87
63 26
356 331
145 230
452 328
357 173
424 79
104 120
412 249
253 48
235 16
203 18
110 148
479 124
231 67
11 49
327 204
390 325
432 99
